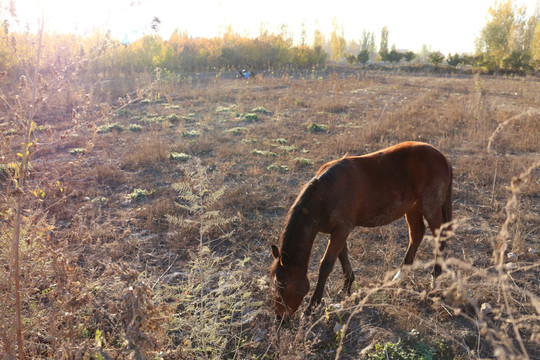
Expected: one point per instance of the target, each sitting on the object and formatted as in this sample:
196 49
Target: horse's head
290 284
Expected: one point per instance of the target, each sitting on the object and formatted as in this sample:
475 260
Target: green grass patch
106 128
135 128
250 117
189 117
300 161
173 118
3 172
191 133
179 156
277 167
314 127
412 348
261 110
223 109
77 151
263 153
237 130
122 113
248 141
139 194
100 201
288 148
174 107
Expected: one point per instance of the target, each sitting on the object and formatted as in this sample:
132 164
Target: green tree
424 53
368 43
409 56
517 61
363 57
351 59
505 41
366 37
303 34
535 46
394 56
383 49
436 58
454 60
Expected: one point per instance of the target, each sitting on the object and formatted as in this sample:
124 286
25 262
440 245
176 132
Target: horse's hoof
398 276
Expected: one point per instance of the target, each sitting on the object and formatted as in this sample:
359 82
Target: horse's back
378 188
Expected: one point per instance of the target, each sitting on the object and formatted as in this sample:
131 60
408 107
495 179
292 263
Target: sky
446 26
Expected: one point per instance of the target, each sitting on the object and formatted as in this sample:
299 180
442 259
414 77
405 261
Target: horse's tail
445 230
447 205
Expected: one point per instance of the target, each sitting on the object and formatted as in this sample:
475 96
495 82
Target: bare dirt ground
117 275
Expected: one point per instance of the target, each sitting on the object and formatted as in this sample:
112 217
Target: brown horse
410 178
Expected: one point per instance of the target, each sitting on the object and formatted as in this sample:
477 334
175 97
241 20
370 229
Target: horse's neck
298 244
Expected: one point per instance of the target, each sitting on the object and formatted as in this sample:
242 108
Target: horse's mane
323 179
296 210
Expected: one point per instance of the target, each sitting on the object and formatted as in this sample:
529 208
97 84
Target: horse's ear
284 259
275 252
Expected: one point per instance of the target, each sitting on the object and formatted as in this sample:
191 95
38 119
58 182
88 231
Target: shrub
412 348
122 113
135 128
139 194
250 117
230 108
289 148
191 133
263 153
77 151
314 127
303 161
179 156
189 117
173 118
100 201
260 110
105 128
278 167
237 130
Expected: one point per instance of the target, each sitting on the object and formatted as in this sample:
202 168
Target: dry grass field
150 238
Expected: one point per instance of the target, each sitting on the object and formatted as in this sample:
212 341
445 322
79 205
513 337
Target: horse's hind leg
347 269
416 234
435 221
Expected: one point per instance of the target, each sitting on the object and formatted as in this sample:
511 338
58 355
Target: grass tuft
317 128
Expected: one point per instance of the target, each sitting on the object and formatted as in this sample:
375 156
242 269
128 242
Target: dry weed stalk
501 126
200 201
17 185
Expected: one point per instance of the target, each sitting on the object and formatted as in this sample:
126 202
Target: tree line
509 41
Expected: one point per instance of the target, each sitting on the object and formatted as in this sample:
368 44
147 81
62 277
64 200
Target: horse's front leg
333 249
